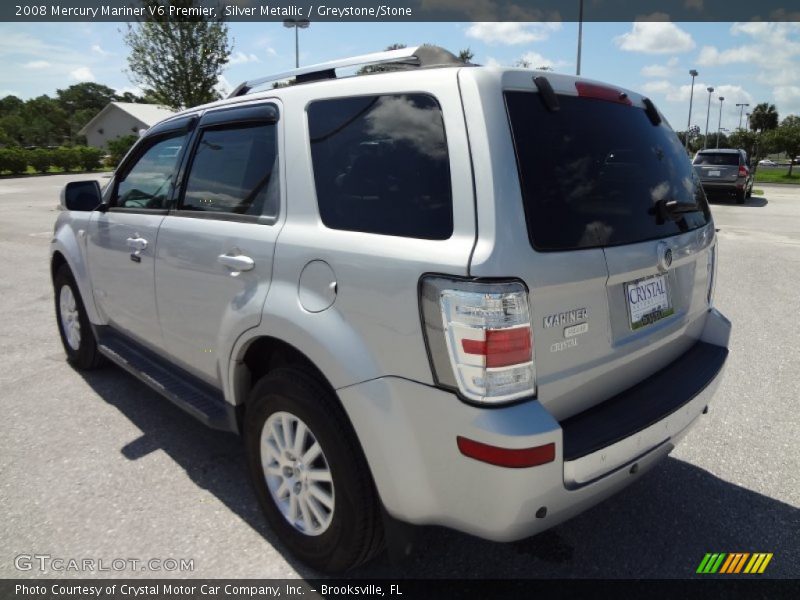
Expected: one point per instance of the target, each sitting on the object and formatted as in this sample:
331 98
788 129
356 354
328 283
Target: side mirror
81 195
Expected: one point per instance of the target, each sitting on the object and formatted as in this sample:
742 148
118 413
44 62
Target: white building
121 118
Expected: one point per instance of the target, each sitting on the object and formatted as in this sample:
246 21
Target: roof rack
417 56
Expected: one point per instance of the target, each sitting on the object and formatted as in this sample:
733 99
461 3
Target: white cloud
661 70
37 64
660 37
82 74
240 58
98 50
511 33
536 61
788 99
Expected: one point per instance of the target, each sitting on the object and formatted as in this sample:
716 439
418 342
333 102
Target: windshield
597 173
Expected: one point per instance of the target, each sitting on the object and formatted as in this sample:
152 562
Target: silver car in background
725 172
443 294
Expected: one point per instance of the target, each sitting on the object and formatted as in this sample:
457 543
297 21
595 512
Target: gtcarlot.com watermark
46 563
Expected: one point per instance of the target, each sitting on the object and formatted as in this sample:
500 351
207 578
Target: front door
122 240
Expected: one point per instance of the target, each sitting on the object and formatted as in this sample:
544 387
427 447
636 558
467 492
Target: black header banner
403 10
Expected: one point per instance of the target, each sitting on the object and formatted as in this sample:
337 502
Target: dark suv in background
725 171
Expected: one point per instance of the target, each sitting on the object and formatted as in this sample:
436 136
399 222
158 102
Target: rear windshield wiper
672 210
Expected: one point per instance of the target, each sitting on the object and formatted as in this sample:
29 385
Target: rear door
215 249
614 237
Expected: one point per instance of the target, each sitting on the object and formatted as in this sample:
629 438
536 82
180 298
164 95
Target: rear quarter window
381 165
594 173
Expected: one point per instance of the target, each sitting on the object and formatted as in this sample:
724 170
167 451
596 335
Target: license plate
648 301
714 173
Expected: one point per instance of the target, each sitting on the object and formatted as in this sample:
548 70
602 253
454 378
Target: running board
199 399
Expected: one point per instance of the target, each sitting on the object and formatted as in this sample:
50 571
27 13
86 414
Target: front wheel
309 472
73 323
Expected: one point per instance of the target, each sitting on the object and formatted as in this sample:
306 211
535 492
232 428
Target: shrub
118 147
89 157
65 158
14 160
40 159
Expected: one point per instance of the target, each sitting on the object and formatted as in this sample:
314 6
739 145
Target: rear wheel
73 323
309 472
740 196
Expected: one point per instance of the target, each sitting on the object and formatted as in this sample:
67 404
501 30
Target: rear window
381 165
597 173
717 159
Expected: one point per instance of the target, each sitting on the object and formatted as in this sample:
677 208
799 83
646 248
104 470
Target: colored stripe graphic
734 562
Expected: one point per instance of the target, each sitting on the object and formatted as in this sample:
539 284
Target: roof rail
417 56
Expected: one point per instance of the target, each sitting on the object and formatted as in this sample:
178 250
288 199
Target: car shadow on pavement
659 527
751 202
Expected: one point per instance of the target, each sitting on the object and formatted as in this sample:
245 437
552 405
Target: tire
740 196
330 537
74 328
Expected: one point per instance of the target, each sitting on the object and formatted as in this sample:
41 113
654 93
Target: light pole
580 36
297 24
708 114
748 120
694 74
719 125
741 110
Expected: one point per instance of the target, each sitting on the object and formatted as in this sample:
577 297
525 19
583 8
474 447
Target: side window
381 166
234 170
147 184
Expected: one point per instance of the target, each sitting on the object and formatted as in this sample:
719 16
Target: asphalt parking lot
98 466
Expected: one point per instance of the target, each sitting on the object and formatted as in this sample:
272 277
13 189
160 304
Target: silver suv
435 293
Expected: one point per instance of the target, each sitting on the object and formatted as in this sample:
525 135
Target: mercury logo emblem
664 253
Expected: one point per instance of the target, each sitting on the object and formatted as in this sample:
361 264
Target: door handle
237 262
136 243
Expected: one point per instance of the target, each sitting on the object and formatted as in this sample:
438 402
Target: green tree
118 148
85 96
179 58
466 55
786 138
764 117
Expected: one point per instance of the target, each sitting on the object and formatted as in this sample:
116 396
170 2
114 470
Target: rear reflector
502 347
507 457
601 92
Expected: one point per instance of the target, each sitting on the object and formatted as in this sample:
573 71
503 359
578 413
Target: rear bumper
408 432
720 186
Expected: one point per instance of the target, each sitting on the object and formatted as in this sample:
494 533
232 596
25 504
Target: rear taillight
742 171
479 338
712 268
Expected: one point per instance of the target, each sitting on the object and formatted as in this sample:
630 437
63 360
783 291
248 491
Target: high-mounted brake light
479 338
601 92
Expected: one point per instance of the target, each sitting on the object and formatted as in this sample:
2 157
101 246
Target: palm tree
466 55
764 117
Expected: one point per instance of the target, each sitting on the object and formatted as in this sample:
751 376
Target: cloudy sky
746 62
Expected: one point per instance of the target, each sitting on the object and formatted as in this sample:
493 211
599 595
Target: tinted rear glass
381 165
717 159
597 173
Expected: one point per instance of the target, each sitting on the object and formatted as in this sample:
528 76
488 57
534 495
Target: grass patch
778 176
757 192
